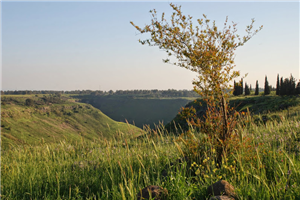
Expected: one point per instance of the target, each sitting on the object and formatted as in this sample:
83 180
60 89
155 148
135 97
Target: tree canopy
203 48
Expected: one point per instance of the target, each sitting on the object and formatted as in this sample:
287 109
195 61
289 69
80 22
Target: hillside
26 119
260 106
264 164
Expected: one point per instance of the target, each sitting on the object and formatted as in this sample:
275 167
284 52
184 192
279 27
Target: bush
29 102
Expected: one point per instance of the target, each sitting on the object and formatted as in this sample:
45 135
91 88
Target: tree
287 86
277 85
237 90
29 102
298 88
234 88
267 88
203 49
247 90
281 87
292 85
242 87
250 88
110 92
256 89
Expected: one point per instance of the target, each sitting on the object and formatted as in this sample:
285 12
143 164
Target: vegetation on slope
261 107
267 166
27 119
264 162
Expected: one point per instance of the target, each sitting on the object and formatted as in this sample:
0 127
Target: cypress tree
234 88
256 88
238 88
292 85
242 86
281 87
285 86
277 85
298 88
247 91
267 88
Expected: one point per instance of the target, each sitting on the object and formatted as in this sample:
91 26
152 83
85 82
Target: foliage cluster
29 100
287 86
238 88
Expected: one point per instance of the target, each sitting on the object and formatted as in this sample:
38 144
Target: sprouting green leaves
204 49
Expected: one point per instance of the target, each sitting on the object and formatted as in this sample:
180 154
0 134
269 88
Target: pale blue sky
92 45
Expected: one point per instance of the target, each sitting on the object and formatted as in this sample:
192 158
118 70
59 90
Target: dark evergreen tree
234 88
247 90
287 86
281 89
250 88
242 86
292 85
238 88
277 85
256 88
267 88
298 88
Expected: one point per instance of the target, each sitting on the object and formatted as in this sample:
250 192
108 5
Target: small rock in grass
221 187
153 191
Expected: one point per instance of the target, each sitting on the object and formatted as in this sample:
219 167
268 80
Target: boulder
153 191
221 187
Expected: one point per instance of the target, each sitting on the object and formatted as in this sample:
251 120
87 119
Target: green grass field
265 166
117 170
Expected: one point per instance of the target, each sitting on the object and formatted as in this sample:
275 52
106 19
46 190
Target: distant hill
26 119
137 110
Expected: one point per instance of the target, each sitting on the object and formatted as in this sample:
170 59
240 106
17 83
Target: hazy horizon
92 46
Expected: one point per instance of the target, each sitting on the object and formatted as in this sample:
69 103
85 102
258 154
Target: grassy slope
99 170
267 106
68 120
138 111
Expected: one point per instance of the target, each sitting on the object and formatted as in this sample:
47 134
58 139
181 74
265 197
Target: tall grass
267 167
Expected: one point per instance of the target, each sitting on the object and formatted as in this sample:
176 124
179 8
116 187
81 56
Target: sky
92 45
